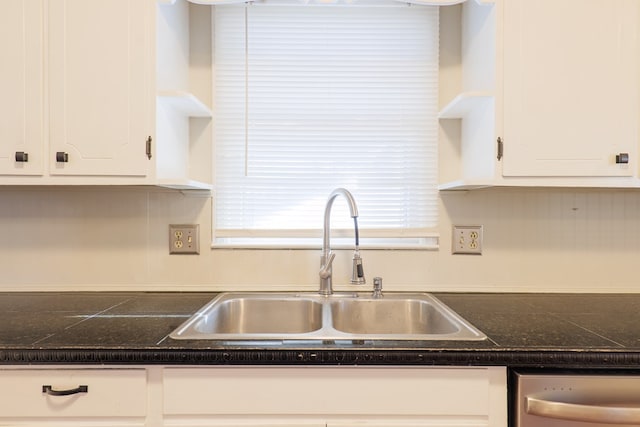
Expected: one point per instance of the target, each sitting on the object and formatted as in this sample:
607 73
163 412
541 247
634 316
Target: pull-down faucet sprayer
327 256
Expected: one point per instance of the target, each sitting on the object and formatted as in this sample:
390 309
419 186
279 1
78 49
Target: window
315 96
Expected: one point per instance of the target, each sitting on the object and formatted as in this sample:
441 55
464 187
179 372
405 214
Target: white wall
540 240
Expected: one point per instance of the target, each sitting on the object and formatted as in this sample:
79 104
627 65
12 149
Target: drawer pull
51 392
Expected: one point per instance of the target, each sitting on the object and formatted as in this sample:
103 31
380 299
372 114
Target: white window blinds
314 97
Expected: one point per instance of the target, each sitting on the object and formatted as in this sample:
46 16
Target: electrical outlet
467 239
183 239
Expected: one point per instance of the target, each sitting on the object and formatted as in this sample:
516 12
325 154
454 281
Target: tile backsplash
535 240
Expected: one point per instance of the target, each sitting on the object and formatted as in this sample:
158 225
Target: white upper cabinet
105 92
554 101
21 86
99 86
571 79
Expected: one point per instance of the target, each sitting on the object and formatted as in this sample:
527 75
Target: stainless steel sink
261 314
308 316
391 316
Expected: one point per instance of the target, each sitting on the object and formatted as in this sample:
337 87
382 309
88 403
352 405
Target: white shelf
185 102
465 185
462 104
541 182
184 184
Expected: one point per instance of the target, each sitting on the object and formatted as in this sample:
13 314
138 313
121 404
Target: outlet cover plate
184 239
467 240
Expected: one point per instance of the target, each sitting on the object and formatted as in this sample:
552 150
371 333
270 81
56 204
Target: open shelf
185 102
183 95
184 184
463 104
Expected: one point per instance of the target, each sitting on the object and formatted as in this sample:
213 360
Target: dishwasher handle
584 413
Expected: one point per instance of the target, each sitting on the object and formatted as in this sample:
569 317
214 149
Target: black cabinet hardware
622 158
62 157
21 156
51 392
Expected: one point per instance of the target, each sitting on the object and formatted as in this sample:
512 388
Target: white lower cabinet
335 396
73 397
265 396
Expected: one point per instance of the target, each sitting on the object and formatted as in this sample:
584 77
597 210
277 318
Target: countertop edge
395 357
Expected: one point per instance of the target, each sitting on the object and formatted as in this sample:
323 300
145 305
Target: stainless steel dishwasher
552 400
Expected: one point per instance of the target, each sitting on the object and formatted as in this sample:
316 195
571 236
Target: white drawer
330 390
110 392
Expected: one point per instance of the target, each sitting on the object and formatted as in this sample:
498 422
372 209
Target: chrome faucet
326 259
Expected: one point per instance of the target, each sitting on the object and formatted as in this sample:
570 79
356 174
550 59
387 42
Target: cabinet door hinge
148 148
500 148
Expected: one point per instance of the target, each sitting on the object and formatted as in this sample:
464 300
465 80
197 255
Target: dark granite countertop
524 330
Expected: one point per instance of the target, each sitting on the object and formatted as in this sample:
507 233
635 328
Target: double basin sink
307 316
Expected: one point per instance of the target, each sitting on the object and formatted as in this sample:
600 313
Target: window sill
422 244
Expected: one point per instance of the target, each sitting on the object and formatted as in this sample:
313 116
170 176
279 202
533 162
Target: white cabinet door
100 82
335 396
571 80
21 86
371 392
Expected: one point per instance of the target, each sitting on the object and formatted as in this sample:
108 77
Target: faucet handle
325 268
